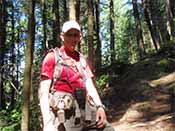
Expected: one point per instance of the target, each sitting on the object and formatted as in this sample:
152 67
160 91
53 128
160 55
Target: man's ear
81 36
62 36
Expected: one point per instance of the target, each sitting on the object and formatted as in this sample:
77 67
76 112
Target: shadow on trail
143 95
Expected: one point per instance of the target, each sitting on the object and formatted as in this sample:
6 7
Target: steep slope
143 97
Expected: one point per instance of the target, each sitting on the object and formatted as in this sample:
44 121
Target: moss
165 65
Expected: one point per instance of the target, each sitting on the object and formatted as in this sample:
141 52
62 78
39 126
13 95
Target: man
71 36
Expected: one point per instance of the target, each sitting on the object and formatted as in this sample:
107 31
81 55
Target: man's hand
101 117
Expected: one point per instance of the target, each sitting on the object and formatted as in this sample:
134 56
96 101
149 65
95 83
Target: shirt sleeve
48 64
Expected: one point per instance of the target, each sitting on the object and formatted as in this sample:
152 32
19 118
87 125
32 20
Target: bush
165 65
11 120
101 81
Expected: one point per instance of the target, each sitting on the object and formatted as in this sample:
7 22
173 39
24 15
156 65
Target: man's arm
100 115
44 100
91 91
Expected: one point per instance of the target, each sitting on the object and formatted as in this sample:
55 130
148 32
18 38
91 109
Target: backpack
70 102
80 94
58 68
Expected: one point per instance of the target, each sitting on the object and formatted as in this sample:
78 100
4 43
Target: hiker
73 72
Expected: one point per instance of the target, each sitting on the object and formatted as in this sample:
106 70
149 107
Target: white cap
72 24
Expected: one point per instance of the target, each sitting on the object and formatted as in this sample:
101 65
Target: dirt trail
152 111
129 123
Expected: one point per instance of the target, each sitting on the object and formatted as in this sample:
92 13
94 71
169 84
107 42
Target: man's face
71 38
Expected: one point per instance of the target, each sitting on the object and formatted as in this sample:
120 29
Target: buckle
101 106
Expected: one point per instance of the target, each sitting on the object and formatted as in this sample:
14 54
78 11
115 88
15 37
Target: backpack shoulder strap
57 67
83 68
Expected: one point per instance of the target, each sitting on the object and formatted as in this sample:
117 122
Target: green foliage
101 81
35 116
11 120
165 65
125 41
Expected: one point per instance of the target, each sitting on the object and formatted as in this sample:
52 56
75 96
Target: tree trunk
72 14
18 60
77 7
44 21
172 6
112 39
90 33
56 24
149 22
28 67
170 23
140 42
13 76
65 14
2 47
98 61
158 17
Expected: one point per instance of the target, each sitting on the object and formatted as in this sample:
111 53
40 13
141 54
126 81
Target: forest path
152 115
142 96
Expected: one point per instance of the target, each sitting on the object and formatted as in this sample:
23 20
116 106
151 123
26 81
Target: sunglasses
72 35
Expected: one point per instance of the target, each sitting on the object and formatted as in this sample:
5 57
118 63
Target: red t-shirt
70 72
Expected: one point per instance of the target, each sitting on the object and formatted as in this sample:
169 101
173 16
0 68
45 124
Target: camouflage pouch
62 105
